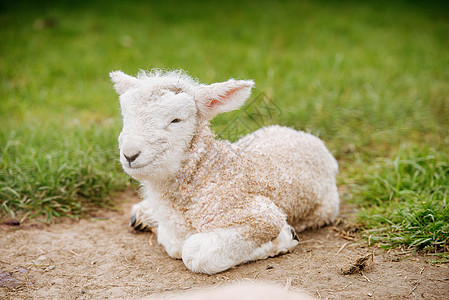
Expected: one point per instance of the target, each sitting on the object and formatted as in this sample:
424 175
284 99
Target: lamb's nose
131 158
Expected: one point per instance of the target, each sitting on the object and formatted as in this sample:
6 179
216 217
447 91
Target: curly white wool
217 204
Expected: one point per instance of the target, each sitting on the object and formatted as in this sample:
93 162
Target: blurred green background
370 78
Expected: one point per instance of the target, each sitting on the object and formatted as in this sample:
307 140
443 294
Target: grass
371 79
405 200
49 175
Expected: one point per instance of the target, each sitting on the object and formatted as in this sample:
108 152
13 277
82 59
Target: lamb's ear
122 82
222 97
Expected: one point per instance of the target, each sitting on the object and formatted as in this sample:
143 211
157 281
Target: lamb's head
161 114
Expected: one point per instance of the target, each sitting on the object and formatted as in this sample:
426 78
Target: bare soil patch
101 257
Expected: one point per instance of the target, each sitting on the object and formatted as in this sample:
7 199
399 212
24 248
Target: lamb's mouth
138 167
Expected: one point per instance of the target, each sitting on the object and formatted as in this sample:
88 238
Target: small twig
33 263
361 273
117 285
151 239
83 275
414 288
349 238
346 286
422 270
255 276
71 251
311 240
403 252
342 247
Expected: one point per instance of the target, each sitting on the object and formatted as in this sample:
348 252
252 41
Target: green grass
45 174
405 200
371 79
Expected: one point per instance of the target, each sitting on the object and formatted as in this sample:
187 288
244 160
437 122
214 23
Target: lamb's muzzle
131 158
215 204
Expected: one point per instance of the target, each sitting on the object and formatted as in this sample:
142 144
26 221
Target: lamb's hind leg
325 214
256 232
221 249
285 242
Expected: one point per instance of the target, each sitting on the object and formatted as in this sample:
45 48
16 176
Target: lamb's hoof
294 235
133 220
137 225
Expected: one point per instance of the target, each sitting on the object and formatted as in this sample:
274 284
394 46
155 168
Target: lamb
217 204
240 291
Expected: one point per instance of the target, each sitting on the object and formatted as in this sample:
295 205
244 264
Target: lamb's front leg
172 237
142 216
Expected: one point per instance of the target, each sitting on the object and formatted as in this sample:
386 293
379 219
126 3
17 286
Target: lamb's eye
175 121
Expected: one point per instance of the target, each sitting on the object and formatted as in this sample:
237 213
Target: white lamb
216 204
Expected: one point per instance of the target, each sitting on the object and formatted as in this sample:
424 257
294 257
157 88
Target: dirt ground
101 257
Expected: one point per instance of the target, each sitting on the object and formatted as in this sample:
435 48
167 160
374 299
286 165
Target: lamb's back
291 167
287 145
